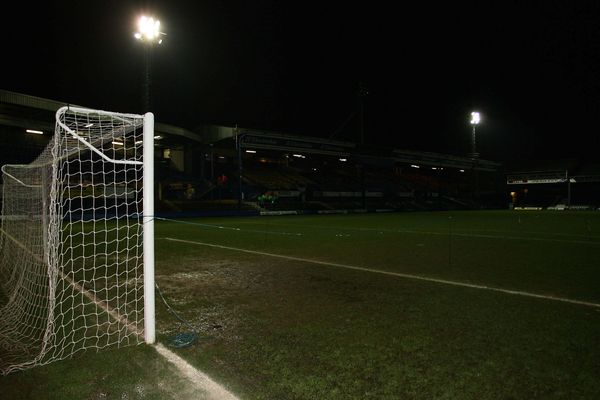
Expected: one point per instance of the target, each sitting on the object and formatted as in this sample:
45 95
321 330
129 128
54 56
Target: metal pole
212 171
212 164
568 188
147 76
473 147
362 120
362 93
148 230
240 193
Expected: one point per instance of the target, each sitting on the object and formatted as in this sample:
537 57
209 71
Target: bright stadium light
475 120
34 131
148 32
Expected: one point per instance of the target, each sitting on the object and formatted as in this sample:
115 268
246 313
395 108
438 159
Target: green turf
136 372
554 254
273 328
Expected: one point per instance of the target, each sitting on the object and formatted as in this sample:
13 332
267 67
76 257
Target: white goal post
77 241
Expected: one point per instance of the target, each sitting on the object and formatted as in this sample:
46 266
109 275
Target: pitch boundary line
593 242
397 274
464 232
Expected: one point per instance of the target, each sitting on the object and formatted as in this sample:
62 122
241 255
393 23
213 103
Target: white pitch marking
197 378
471 235
401 275
201 381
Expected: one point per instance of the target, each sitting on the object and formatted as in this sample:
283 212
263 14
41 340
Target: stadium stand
217 169
555 184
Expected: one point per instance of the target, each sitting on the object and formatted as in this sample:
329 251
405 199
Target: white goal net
76 242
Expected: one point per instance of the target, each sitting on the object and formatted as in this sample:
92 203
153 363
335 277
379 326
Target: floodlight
148 30
475 118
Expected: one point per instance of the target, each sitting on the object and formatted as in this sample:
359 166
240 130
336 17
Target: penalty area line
397 274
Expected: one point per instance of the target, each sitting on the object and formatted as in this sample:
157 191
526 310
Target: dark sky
532 70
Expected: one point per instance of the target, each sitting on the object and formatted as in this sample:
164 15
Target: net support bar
148 221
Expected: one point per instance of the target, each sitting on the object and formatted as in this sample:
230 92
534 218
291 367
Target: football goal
77 241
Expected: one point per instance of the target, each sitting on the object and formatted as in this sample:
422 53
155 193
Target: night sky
533 71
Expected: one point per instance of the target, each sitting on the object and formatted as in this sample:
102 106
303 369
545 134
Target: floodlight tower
150 35
475 120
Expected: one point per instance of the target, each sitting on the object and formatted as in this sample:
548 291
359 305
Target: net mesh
71 248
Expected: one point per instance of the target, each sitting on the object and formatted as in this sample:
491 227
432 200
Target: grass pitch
289 328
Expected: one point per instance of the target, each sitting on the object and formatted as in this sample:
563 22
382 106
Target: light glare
475 118
148 29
